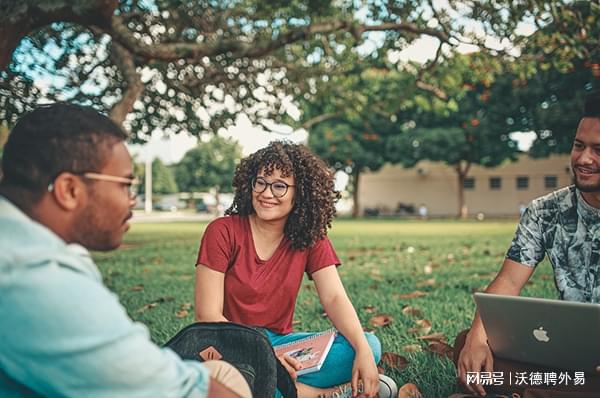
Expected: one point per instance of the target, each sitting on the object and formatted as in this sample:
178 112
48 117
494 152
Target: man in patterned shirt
565 226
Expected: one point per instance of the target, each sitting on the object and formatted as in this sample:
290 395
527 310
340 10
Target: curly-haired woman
251 263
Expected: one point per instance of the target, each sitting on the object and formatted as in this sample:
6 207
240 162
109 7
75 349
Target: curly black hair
314 203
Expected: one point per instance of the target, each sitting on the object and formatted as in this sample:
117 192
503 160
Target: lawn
419 275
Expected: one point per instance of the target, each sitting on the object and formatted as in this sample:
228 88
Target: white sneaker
387 387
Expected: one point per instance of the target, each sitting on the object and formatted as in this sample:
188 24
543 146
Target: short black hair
591 107
53 139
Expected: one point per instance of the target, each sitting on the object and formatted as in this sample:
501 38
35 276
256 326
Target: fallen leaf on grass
411 348
409 390
412 311
426 282
394 361
137 288
423 327
186 306
147 307
478 289
369 309
439 337
182 313
376 274
415 294
296 322
155 303
428 269
441 349
381 320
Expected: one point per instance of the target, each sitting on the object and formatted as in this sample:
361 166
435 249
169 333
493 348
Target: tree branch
318 119
18 18
134 87
238 48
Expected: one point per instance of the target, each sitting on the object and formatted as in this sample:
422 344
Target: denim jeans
337 368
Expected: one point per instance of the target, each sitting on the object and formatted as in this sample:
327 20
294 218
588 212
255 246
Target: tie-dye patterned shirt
567 229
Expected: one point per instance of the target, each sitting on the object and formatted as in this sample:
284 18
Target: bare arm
476 355
209 295
218 390
340 310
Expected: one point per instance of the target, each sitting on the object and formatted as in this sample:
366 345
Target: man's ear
68 191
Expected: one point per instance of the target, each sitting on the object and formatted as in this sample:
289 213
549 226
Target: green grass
153 274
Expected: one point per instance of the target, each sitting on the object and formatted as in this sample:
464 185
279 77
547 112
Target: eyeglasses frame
270 186
131 182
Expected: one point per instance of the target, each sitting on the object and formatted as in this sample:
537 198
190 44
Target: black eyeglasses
278 188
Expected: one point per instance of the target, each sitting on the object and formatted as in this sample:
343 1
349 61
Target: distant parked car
201 207
162 206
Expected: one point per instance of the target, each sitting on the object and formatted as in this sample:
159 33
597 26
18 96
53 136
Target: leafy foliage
163 178
193 65
210 165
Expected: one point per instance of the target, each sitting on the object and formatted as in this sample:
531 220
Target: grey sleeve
527 246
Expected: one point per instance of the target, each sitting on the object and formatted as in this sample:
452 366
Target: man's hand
476 356
292 365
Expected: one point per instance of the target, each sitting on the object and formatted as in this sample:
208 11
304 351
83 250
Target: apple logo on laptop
541 335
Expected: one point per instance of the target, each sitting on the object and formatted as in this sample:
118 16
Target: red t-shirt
259 293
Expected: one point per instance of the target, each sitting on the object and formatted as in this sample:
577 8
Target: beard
96 232
587 186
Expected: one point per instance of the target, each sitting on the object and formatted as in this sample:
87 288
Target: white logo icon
541 335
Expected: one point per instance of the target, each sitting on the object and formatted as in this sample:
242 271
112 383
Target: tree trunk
462 173
355 186
218 202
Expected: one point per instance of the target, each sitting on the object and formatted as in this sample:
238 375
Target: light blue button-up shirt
64 334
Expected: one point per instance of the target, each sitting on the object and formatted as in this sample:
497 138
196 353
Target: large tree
160 64
209 166
164 62
351 117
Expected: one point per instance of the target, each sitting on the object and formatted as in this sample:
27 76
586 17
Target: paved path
139 216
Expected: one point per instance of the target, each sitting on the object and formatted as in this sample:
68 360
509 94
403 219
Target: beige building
495 192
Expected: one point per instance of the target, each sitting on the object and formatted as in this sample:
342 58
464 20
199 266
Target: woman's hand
365 370
292 365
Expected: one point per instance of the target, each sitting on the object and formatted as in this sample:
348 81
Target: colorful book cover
310 351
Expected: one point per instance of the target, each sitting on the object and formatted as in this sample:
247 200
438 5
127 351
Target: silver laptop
553 333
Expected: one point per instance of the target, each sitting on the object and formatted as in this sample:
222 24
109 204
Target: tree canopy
209 166
192 65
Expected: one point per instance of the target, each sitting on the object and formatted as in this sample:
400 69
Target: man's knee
229 376
459 344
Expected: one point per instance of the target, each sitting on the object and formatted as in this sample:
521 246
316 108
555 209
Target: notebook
310 351
551 333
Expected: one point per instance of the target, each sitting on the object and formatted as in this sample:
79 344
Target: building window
469 183
550 182
495 183
522 182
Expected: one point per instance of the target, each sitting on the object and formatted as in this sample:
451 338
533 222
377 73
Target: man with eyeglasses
68 187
